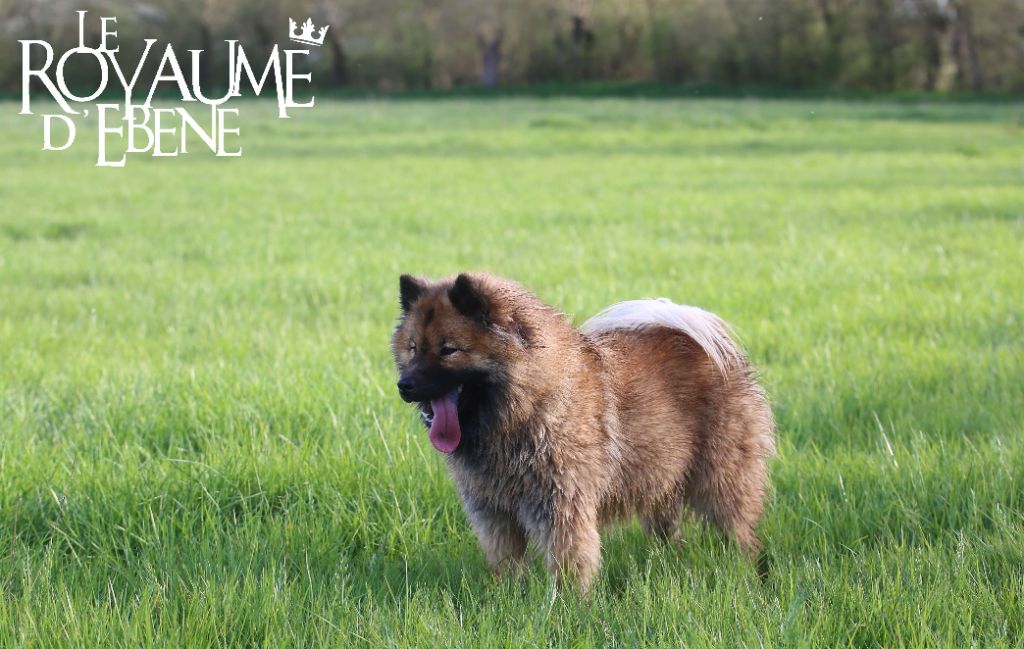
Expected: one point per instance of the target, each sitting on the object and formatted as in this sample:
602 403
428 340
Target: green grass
201 445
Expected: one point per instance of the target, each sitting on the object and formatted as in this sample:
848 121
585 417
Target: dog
552 433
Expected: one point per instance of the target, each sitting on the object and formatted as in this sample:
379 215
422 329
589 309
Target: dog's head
453 347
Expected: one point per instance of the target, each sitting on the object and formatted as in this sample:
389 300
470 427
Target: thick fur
646 410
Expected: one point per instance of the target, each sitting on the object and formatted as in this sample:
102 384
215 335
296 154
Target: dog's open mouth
442 416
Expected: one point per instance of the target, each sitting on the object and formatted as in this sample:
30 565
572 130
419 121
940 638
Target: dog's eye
447 351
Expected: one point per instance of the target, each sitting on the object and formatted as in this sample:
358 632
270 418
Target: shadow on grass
662 90
748 149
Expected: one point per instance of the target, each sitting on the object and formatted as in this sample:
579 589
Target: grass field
201 445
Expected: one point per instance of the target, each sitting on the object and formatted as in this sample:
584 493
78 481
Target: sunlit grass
200 443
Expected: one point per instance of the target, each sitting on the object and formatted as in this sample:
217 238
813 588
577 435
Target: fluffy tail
706 328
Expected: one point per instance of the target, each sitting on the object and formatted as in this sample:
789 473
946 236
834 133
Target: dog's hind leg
662 520
730 492
730 478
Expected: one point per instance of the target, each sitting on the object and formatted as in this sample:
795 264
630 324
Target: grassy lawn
201 444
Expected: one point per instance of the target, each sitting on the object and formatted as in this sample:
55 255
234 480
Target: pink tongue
445 432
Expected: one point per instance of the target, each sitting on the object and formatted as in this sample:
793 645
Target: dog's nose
406 385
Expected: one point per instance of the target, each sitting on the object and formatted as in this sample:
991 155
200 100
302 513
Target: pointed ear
468 299
409 290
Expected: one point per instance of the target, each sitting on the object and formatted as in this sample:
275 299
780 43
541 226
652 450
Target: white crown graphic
306 35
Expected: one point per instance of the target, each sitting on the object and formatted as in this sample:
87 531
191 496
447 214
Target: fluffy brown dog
551 432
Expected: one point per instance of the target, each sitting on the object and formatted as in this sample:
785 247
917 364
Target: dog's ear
409 290
469 299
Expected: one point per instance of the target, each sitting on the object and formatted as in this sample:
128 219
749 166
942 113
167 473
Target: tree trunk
206 45
264 37
582 39
654 30
883 39
834 41
490 52
965 51
339 62
933 27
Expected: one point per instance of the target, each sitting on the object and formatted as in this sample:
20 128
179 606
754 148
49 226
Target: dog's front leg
574 546
500 536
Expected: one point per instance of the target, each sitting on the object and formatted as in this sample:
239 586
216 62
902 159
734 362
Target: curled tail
707 329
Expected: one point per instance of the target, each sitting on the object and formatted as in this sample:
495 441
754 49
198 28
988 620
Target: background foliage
958 45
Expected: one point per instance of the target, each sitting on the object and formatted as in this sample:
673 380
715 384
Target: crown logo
306 35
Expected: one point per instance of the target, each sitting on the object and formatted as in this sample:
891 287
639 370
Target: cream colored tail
706 328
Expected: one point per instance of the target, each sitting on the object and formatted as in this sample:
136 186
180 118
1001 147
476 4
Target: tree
963 48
